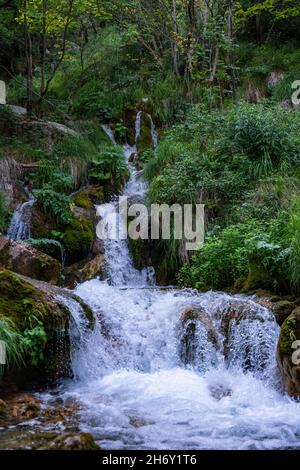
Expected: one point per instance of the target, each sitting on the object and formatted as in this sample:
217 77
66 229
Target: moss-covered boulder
288 354
260 278
144 140
89 196
24 259
282 310
78 239
38 316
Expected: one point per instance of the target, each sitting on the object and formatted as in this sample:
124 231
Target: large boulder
40 314
288 355
23 258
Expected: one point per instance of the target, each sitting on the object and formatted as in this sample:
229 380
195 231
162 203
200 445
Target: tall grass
14 344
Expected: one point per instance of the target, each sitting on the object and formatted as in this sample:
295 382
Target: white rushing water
19 228
152 376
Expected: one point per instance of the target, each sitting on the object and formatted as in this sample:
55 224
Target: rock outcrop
24 259
288 354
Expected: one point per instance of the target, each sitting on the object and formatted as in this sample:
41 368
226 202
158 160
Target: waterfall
20 226
175 369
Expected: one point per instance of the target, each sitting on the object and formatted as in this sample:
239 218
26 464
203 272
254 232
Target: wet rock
288 354
81 272
137 422
191 319
4 410
24 407
98 247
220 391
31 439
24 259
80 441
282 310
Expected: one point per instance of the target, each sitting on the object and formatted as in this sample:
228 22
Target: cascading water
19 228
167 368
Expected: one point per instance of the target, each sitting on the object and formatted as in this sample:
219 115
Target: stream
152 376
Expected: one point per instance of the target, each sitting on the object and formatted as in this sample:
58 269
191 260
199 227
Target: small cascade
119 265
154 134
108 131
20 226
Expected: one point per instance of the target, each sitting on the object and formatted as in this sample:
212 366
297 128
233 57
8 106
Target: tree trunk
28 53
43 48
174 39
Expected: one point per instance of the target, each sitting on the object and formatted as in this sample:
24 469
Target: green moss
83 200
78 237
21 302
289 333
145 140
89 196
259 278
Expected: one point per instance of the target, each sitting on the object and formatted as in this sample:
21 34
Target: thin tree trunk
43 48
28 53
174 39
63 50
215 64
230 58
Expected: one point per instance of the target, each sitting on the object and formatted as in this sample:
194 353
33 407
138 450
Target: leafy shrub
226 254
4 215
57 204
108 164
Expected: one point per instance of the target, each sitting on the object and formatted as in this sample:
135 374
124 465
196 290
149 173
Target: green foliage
4 214
227 254
109 164
34 341
57 204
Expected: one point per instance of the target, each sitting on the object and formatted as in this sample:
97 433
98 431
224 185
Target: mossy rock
26 260
290 332
288 366
89 196
27 307
282 310
145 140
79 236
260 278
23 303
